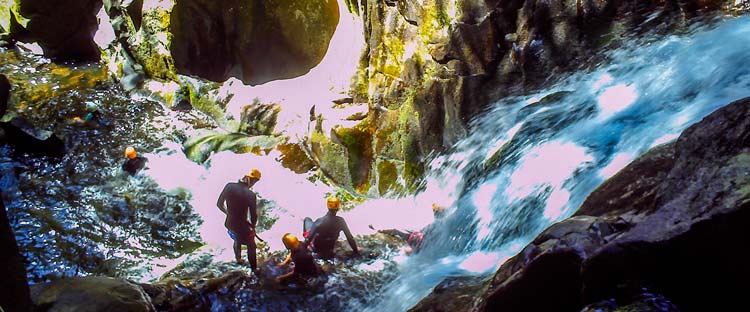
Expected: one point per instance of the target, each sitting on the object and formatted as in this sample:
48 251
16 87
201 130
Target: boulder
252 40
65 29
90 294
667 224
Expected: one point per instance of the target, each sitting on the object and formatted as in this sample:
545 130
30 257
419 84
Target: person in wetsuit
414 239
304 263
324 232
134 163
240 201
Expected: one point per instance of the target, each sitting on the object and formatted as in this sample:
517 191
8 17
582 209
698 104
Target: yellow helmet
130 152
254 173
290 241
333 203
437 208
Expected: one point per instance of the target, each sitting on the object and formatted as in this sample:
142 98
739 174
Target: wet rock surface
203 284
667 224
90 294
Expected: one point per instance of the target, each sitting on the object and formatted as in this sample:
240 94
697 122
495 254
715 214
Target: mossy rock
259 119
294 158
200 148
332 159
358 143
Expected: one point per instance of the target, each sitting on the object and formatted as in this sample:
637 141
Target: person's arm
310 236
253 211
286 261
220 202
349 237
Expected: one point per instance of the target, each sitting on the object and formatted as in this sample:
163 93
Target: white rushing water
555 154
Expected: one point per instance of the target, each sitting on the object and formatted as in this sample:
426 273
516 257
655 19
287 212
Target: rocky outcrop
65 29
205 285
430 66
255 41
21 135
15 294
90 294
669 223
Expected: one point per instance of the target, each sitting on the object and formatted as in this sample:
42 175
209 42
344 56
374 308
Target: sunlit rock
294 157
259 119
255 41
142 38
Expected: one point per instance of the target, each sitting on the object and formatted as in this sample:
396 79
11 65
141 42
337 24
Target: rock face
15 294
255 41
430 66
669 223
65 29
90 294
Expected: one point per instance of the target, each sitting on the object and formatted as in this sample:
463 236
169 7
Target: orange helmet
254 174
130 152
333 203
290 241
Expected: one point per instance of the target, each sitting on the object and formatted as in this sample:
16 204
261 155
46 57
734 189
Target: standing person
324 232
304 263
134 163
240 201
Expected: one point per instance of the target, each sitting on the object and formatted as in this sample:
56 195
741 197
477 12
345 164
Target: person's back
240 201
325 232
236 201
304 263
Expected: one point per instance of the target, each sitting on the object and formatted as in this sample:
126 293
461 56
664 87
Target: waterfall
532 160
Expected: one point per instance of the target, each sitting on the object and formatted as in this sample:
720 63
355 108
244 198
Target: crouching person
304 263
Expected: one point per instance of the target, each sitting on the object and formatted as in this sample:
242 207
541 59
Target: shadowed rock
15 294
255 41
91 294
64 28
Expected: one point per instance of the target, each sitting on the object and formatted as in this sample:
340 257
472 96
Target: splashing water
555 146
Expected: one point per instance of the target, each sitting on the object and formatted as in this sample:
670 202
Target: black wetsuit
240 200
325 233
132 166
304 263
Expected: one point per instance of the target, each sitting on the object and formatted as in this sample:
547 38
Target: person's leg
251 257
238 251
